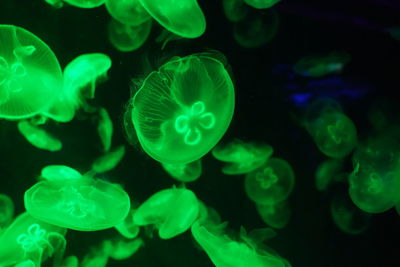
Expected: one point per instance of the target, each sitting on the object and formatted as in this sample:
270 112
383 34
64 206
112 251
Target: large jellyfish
181 17
271 183
186 172
128 12
30 75
76 202
172 211
127 38
182 110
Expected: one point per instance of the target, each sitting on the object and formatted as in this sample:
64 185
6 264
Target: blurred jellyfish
276 215
326 172
97 257
85 3
128 12
128 229
181 17
184 172
30 75
261 4
271 183
242 157
83 204
30 239
235 10
347 216
127 38
321 65
120 249
105 129
6 211
38 137
183 109
109 161
55 3
256 30
70 261
172 211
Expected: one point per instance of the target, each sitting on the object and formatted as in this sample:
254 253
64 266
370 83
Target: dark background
263 113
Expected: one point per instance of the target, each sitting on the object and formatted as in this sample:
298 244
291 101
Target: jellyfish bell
128 12
127 38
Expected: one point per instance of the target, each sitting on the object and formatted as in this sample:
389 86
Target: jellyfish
235 10
6 211
30 239
276 215
97 257
172 211
326 172
271 183
127 38
109 161
256 30
55 3
347 217
105 129
70 261
181 17
30 75
128 229
182 110
59 173
85 3
242 157
128 12
186 172
38 137
261 4
82 204
120 249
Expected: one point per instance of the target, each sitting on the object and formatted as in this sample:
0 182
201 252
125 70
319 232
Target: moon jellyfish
326 172
83 204
347 216
109 161
39 138
256 30
128 12
119 249
30 239
271 183
235 10
128 228
181 17
276 215
105 129
30 75
182 110
184 172
127 38
6 211
172 211
261 4
85 3
242 157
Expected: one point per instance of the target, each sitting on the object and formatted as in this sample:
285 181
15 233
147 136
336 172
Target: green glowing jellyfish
181 17
235 10
83 204
320 107
105 129
109 161
6 211
256 30
326 172
85 3
242 157
30 75
322 65
70 261
347 217
55 3
271 183
276 215
30 239
127 38
119 249
185 172
261 4
172 211
128 12
59 173
38 137
183 109
127 228
97 257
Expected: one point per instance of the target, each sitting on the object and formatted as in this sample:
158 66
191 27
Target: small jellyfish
261 4
235 10
271 183
120 249
105 129
128 12
172 211
109 161
242 157
184 172
97 257
70 261
30 239
326 172
59 173
181 17
182 110
6 211
55 3
38 137
347 217
128 38
256 30
85 3
276 215
30 75
82 204
128 229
